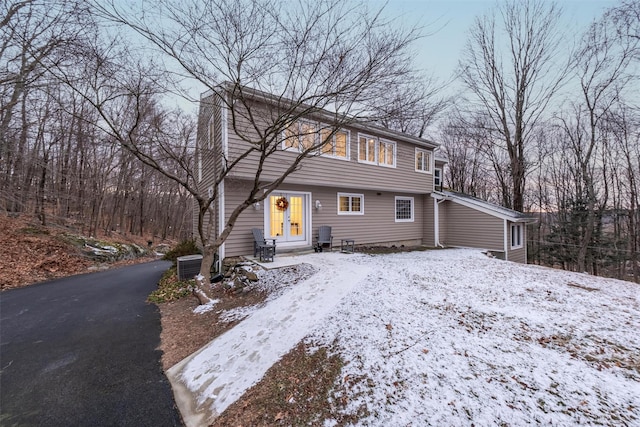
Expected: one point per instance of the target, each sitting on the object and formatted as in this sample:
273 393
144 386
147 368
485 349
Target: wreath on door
282 204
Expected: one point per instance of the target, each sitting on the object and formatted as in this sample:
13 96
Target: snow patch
453 338
235 314
443 337
221 371
203 308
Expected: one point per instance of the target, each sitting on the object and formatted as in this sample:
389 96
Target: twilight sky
450 20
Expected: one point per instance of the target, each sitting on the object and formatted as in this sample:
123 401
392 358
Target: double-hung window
350 204
423 160
367 149
404 209
387 155
336 144
301 135
376 151
516 236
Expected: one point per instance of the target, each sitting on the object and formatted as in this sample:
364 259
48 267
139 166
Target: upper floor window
376 151
437 178
350 204
304 135
404 209
300 136
387 155
516 236
366 149
336 145
423 160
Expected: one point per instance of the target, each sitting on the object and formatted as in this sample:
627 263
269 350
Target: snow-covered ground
446 337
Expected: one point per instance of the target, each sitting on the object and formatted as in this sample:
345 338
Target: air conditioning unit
188 266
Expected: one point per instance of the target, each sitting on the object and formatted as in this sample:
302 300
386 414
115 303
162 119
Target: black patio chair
260 245
324 238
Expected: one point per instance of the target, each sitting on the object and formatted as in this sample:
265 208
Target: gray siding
240 241
376 226
323 178
428 227
333 172
208 148
442 223
517 255
470 228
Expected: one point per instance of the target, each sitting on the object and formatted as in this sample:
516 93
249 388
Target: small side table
347 245
267 252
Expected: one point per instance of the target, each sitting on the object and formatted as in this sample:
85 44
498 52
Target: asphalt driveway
82 351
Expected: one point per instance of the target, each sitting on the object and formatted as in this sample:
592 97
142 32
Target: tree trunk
203 289
40 198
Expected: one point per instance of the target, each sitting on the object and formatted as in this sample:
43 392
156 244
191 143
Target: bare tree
55 163
513 82
466 170
626 18
29 32
624 128
602 66
325 59
413 106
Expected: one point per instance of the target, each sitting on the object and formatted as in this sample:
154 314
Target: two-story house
370 184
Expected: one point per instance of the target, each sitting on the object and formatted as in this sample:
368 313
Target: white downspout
524 242
436 217
221 194
221 222
506 240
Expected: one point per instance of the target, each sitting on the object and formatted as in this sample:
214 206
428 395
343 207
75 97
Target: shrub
170 288
186 247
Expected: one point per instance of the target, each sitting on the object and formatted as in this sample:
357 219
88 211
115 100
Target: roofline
394 134
329 116
483 206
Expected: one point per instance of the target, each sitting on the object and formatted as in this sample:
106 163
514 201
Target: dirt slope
30 253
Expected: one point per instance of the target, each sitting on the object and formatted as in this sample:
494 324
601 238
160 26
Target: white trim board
478 207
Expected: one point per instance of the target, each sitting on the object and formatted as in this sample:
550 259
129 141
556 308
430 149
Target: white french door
287 218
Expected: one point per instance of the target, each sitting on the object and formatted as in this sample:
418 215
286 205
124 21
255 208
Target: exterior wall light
318 205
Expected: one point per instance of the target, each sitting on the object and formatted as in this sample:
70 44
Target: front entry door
287 221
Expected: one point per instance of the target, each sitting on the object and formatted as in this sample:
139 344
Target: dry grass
32 253
295 391
184 332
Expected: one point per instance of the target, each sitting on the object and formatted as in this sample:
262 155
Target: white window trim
430 163
395 147
375 149
395 209
299 149
437 177
361 196
315 134
283 144
348 148
520 230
